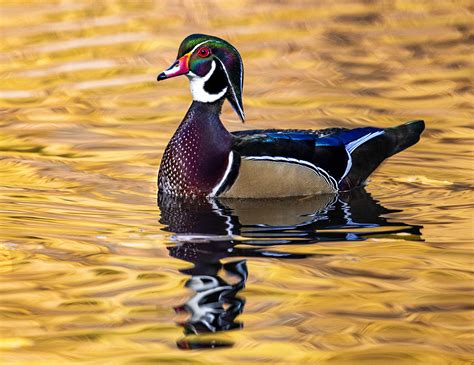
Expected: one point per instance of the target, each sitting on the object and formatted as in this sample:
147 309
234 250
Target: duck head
214 69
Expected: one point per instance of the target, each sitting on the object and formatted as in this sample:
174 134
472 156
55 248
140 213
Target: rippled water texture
96 270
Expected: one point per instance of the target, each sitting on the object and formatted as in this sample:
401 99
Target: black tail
404 136
367 157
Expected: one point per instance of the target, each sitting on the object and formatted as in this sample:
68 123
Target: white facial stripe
196 84
199 45
232 89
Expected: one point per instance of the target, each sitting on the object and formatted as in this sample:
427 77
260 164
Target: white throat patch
196 84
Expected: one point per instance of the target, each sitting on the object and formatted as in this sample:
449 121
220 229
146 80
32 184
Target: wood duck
204 159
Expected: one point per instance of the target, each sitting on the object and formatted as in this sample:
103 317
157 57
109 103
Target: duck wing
275 162
320 149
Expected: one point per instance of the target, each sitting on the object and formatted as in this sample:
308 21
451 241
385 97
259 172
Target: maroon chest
197 155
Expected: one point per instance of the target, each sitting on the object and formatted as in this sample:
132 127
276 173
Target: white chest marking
224 177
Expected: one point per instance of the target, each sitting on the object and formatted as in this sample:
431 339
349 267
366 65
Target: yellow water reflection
86 270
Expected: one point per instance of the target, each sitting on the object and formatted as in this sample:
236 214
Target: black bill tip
161 76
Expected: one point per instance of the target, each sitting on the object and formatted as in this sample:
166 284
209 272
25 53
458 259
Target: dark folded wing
346 157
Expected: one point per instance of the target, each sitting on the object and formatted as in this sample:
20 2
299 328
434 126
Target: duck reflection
214 306
208 231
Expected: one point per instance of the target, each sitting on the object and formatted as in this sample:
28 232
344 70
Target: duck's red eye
204 52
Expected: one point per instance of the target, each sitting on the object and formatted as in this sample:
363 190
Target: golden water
92 273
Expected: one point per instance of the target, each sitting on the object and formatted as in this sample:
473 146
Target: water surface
96 270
